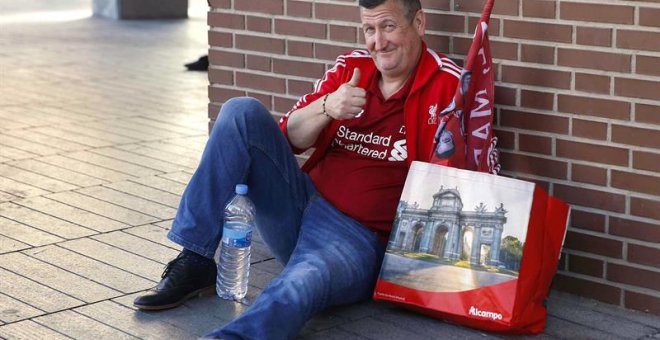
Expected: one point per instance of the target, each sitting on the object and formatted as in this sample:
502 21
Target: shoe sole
206 291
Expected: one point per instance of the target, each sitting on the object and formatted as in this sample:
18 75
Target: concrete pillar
140 9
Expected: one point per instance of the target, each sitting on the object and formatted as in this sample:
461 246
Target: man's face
392 40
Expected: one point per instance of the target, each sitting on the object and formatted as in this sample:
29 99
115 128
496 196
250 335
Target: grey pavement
100 129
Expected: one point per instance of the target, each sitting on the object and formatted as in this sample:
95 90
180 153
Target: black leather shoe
184 278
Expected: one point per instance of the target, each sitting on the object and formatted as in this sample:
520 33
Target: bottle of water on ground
234 260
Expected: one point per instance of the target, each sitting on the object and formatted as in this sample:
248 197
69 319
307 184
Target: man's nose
379 40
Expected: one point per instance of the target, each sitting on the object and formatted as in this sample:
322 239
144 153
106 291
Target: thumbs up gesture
348 101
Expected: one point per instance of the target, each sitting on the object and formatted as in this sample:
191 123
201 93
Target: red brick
535 30
539 9
586 288
648 65
299 48
224 77
227 59
435 42
604 108
594 60
638 40
644 255
591 198
533 165
299 9
649 16
585 265
594 244
260 63
300 28
537 99
220 3
505 7
642 302
222 94
537 77
646 161
260 24
445 23
329 51
594 36
493 26
633 276
589 174
260 82
647 113
592 152
213 110
592 12
587 220
589 129
536 144
228 20
265 99
637 88
283 104
645 208
537 54
503 50
263 6
436 4
592 83
642 231
220 39
298 68
343 33
299 87
505 139
337 12
534 121
505 95
261 44
461 45
636 182
636 136
542 184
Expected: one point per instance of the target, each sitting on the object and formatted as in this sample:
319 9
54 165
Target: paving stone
179 176
6 197
93 270
182 161
138 246
34 179
115 212
72 214
169 126
107 126
140 324
162 184
78 326
113 164
85 168
13 153
35 294
43 222
154 233
566 329
29 330
56 278
19 189
59 173
102 135
170 147
26 145
371 328
26 234
330 334
132 263
427 326
143 129
130 202
55 142
72 137
147 161
9 245
12 310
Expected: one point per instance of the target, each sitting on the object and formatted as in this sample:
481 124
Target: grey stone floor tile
171 146
143 129
56 278
89 169
169 126
154 233
12 310
26 234
102 135
72 137
331 334
128 201
56 172
427 326
105 253
115 212
34 179
35 294
106 126
78 326
162 184
147 193
72 214
139 246
55 142
91 269
8 245
6 197
26 145
179 176
19 189
43 222
13 153
113 164
29 330
566 329
147 161
140 324
371 328
182 161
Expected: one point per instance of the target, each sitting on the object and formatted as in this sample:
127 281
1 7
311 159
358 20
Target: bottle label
237 237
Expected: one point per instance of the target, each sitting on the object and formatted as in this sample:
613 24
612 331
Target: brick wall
578 108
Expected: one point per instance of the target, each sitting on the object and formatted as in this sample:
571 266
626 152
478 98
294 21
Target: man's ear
419 22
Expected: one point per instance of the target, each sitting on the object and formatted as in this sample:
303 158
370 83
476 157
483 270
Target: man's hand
348 101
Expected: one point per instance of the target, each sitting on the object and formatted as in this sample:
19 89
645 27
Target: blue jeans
330 259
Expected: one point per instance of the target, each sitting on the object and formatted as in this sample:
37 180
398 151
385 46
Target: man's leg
335 262
245 146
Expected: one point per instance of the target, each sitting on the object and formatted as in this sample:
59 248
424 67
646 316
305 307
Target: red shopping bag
473 248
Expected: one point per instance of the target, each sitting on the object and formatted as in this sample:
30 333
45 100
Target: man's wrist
325 113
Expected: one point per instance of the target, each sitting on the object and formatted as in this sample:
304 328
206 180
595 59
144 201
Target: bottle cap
241 189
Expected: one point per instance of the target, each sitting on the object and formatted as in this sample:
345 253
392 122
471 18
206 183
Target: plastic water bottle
234 260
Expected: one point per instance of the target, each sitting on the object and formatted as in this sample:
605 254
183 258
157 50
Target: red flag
471 112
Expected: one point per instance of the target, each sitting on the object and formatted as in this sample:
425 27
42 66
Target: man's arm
305 124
